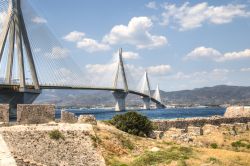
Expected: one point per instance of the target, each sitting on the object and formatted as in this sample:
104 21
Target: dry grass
122 149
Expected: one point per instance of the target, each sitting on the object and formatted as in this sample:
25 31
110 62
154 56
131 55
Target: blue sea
103 114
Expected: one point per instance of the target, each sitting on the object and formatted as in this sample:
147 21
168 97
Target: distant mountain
217 95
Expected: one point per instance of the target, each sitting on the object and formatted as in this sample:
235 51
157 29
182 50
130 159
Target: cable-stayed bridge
32 59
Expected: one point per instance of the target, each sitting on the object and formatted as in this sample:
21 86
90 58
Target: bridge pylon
120 96
157 96
146 89
15 30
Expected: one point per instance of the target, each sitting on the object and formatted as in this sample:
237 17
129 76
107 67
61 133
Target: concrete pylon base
120 98
11 97
159 106
146 103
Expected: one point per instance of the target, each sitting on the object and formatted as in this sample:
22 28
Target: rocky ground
218 146
85 144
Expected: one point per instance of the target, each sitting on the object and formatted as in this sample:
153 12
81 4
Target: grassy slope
121 149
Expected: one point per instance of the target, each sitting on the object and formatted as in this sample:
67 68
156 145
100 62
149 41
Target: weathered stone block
35 114
237 111
87 119
228 129
209 129
194 131
248 125
156 134
4 113
68 117
174 133
240 127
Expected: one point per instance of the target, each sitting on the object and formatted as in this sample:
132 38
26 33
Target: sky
181 44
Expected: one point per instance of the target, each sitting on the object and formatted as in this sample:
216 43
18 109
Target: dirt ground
121 149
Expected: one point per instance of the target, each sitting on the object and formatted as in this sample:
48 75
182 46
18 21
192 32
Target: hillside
221 94
217 95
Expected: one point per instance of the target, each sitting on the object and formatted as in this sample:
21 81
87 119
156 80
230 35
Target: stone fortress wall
236 120
4 113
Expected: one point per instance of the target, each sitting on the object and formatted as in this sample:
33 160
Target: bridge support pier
120 98
146 103
12 97
159 106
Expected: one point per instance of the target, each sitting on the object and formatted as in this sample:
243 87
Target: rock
68 117
35 113
174 133
194 131
248 125
4 113
237 111
155 149
156 134
209 129
159 134
227 129
152 135
87 119
240 127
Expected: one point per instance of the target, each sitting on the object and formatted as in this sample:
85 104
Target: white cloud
87 44
58 53
245 69
135 33
203 52
151 5
188 17
202 76
159 69
109 68
74 36
100 68
128 55
235 55
91 45
39 20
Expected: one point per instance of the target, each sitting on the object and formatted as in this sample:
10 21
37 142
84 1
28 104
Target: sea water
104 114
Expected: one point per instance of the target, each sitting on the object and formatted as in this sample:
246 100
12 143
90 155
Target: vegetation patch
133 123
214 145
174 153
241 143
125 142
213 160
96 140
56 135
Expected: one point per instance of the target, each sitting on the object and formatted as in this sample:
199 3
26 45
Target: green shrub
238 144
56 135
133 123
214 145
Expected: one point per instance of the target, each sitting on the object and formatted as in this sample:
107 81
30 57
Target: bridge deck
16 87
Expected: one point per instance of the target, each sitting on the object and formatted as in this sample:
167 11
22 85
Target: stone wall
35 114
163 125
32 145
237 111
4 113
68 117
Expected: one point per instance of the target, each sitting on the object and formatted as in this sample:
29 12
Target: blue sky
182 44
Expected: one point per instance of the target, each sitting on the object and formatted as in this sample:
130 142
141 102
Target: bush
133 123
238 144
214 146
56 135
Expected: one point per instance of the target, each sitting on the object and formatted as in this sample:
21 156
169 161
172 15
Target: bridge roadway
16 87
